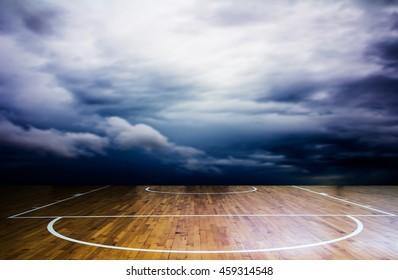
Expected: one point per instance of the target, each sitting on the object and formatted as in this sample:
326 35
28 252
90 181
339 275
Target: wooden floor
199 222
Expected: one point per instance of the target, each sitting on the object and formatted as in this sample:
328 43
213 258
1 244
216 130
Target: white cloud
231 161
126 136
270 115
229 53
214 105
120 134
187 151
64 144
320 95
268 156
230 62
26 87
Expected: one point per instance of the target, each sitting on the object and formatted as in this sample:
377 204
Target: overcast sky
199 92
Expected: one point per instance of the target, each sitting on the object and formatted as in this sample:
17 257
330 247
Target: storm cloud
64 144
227 91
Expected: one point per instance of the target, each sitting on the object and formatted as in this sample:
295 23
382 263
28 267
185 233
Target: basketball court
199 222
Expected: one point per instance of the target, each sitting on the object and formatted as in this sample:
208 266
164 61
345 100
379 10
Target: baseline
59 201
344 200
200 215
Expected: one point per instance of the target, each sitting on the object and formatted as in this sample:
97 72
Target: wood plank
29 239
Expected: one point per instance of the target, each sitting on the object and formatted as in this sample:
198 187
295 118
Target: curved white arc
359 228
253 189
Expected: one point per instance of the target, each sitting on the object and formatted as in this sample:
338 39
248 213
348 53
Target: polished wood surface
198 218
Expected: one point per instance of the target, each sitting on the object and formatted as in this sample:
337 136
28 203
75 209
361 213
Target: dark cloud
375 93
40 22
382 3
115 90
311 157
124 94
394 25
386 53
293 92
35 17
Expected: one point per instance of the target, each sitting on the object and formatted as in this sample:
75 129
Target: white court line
59 201
344 200
50 228
253 189
203 215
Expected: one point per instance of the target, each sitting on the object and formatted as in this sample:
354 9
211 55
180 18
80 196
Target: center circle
252 189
